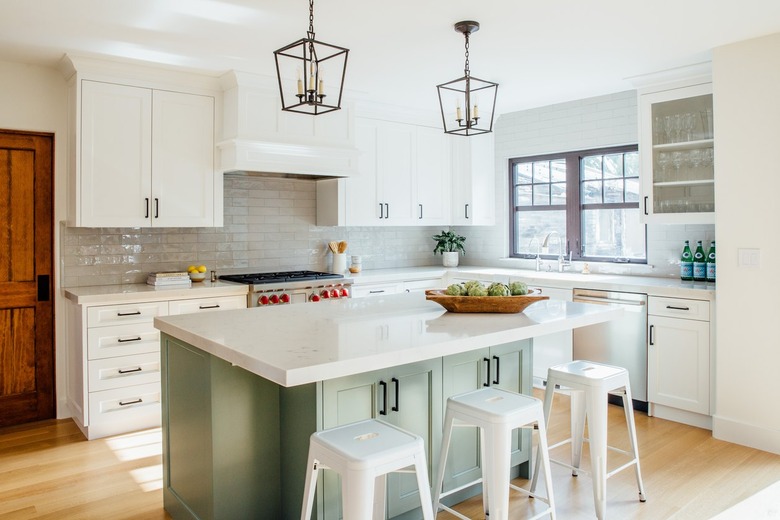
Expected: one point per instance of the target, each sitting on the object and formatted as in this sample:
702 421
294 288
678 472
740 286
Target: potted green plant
449 244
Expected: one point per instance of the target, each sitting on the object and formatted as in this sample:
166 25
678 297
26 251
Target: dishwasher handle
604 301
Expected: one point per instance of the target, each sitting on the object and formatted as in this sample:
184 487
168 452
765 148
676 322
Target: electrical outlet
749 257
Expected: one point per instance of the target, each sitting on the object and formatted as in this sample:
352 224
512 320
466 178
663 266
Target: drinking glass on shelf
663 162
689 123
694 158
706 123
669 128
658 130
707 157
677 160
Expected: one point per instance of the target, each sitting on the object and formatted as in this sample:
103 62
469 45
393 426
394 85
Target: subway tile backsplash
269 225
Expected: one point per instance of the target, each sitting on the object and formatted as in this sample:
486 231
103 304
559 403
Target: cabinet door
432 175
415 404
183 160
473 181
362 204
395 174
678 367
115 155
677 153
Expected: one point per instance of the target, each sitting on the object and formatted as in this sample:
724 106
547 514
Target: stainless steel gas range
287 287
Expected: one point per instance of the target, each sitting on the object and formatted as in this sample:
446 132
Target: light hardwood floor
48 470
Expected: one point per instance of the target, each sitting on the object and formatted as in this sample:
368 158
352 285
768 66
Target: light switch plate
749 257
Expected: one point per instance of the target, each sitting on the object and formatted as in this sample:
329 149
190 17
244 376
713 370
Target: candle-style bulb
475 112
458 114
300 84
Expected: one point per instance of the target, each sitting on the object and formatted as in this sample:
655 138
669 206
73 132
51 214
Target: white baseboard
745 434
681 416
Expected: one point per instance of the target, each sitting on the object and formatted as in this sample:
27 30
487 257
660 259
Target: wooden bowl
493 304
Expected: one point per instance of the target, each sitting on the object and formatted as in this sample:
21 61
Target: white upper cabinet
473 181
141 156
676 147
433 173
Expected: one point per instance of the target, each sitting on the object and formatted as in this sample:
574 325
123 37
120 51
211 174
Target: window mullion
573 204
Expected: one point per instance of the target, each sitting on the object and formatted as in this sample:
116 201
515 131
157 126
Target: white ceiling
539 52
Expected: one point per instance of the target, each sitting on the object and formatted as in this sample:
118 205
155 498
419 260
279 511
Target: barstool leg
497 470
309 486
421 470
547 408
597 433
357 495
628 407
445 447
578 401
380 492
542 449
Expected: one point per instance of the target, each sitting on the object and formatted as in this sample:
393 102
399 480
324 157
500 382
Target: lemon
192 269
201 268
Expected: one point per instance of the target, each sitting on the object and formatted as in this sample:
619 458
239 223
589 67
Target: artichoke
456 289
470 284
518 288
498 289
476 289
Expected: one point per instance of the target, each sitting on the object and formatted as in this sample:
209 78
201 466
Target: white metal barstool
497 413
363 453
590 383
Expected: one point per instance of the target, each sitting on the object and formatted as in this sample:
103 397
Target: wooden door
26 310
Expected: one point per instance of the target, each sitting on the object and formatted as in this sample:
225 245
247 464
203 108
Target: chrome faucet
562 262
538 252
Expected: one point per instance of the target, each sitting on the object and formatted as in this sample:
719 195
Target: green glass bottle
686 263
711 263
699 263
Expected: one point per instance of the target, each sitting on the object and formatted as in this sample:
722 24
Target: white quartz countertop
653 286
298 344
110 294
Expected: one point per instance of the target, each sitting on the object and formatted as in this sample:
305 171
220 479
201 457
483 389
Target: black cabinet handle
134 401
134 313
381 210
420 211
383 411
652 340
678 308
646 205
378 291
156 207
215 306
130 370
487 364
397 387
387 210
120 340
147 207
43 287
498 369
467 211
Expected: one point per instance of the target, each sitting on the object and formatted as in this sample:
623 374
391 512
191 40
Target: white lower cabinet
678 365
114 361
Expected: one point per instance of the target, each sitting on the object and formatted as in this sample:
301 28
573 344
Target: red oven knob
263 300
284 298
274 299
344 292
325 294
314 297
334 293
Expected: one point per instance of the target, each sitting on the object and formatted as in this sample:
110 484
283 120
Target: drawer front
361 291
126 313
423 285
207 304
124 410
118 372
679 308
122 340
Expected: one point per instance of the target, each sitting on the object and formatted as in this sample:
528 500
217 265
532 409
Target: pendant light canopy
309 71
460 99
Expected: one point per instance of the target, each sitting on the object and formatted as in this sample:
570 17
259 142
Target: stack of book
169 279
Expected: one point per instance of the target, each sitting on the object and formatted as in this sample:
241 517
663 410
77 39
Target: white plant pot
450 259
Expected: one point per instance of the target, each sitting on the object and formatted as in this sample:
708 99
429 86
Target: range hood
259 138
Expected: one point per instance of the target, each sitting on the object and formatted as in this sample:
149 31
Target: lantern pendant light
300 69
461 98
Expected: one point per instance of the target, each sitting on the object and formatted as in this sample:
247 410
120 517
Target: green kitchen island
243 390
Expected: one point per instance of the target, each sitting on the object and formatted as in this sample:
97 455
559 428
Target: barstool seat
497 413
590 383
363 453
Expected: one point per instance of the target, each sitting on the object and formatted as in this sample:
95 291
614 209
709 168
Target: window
586 202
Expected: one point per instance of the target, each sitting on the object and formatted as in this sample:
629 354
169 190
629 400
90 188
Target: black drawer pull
134 401
498 369
678 308
397 385
147 207
383 411
376 292
120 340
135 313
487 380
215 306
129 370
652 339
156 208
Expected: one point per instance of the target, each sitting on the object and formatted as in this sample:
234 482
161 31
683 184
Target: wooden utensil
334 246
342 246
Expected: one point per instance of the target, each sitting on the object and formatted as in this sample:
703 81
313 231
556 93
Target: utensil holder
339 263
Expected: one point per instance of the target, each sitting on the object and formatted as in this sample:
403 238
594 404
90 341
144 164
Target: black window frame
573 204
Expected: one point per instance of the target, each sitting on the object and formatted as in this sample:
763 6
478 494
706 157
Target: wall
269 225
34 99
746 81
576 125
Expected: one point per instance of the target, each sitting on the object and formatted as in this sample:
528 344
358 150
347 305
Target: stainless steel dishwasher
621 342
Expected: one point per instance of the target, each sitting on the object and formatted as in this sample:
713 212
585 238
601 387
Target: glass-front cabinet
677 153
